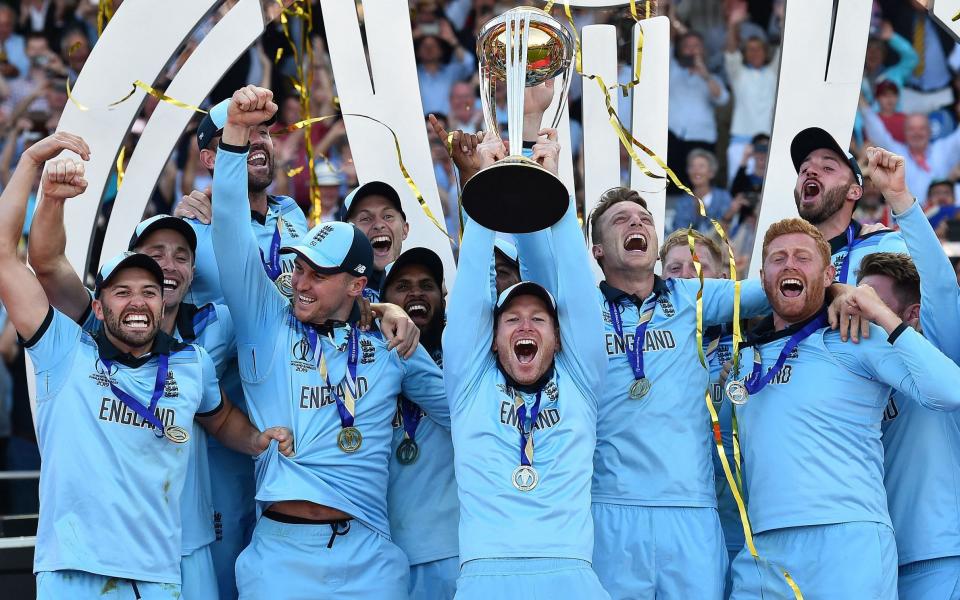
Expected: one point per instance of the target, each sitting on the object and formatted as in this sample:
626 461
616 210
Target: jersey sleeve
50 349
718 297
468 335
911 364
210 400
939 309
252 298
557 259
423 384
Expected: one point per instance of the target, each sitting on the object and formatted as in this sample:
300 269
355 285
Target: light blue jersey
118 517
211 328
282 384
668 460
553 519
206 278
422 495
879 241
811 438
923 502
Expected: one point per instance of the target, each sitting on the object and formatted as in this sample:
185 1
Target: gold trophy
521 48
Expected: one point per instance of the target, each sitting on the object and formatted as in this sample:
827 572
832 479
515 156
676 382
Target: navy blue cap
158 222
212 124
815 138
373 188
126 260
525 288
425 257
335 247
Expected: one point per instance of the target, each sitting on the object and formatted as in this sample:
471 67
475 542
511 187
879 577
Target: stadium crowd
863 206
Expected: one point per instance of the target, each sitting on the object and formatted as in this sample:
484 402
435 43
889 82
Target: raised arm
20 292
48 258
247 290
939 308
718 297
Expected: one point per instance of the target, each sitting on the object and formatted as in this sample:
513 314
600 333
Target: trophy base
515 195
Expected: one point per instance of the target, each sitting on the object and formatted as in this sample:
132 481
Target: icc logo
98 366
301 349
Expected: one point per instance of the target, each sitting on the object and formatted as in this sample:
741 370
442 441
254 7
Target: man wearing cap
922 501
422 495
276 221
829 183
523 373
654 499
376 209
128 392
171 242
810 426
324 524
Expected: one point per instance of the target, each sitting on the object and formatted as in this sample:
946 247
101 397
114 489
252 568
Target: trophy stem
518 30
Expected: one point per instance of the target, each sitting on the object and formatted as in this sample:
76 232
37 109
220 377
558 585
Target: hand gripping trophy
521 48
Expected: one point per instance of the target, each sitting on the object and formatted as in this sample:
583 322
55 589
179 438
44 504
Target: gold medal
525 478
640 388
737 392
176 434
349 439
408 452
284 283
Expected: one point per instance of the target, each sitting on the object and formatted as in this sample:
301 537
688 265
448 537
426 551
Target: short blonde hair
795 225
679 238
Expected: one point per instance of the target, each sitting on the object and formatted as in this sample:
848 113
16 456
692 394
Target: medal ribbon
736 487
346 405
410 414
526 427
845 265
755 382
272 265
148 414
635 354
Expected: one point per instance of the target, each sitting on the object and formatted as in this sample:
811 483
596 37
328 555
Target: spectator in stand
441 62
694 94
701 170
925 160
465 114
887 97
875 68
752 73
755 153
13 57
927 88
941 205
74 49
328 182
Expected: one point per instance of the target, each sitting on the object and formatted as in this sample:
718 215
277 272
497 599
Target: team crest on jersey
170 388
367 352
724 353
300 351
291 230
552 391
666 306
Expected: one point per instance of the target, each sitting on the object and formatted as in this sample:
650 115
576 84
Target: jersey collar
261 218
162 344
764 332
184 322
839 242
532 388
616 295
